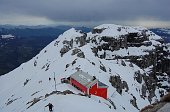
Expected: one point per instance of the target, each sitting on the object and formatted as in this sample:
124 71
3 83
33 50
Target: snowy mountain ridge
110 52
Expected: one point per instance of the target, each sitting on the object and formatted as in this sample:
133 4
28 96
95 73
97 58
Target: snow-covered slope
72 50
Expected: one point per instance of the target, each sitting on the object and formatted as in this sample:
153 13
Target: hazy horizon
147 13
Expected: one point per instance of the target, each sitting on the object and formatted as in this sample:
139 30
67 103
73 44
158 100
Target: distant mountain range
163 32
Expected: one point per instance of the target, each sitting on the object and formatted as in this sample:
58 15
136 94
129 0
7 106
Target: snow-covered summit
115 30
111 53
70 34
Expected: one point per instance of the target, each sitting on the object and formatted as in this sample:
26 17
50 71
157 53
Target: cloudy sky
148 13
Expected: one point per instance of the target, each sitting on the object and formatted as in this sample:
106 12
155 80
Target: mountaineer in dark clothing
50 106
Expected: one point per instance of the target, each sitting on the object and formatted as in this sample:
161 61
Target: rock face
80 55
133 102
118 84
138 77
81 40
95 30
75 51
64 50
155 58
159 106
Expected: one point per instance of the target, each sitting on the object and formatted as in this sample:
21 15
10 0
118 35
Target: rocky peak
130 60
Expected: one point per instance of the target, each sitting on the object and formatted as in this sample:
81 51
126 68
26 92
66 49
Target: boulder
75 51
81 55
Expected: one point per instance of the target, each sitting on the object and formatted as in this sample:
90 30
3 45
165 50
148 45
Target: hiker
49 78
50 106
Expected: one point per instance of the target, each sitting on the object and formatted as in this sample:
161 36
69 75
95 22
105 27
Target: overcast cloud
130 12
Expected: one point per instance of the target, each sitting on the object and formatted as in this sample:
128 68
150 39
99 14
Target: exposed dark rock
125 86
81 55
68 43
103 56
47 66
152 107
144 90
81 40
119 29
157 105
98 30
135 39
165 98
133 102
75 51
112 103
93 40
151 94
10 101
56 43
35 63
35 93
53 92
138 76
59 92
102 67
74 62
64 50
93 63
123 63
67 65
131 64
34 101
110 43
95 51
26 81
67 92
150 85
118 84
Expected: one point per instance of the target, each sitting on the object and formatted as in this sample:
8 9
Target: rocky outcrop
133 102
102 67
95 30
123 63
75 51
144 89
153 58
111 43
95 51
118 84
158 106
138 76
68 45
137 39
79 53
151 85
64 50
81 40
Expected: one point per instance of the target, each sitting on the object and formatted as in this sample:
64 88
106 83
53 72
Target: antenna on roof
55 81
